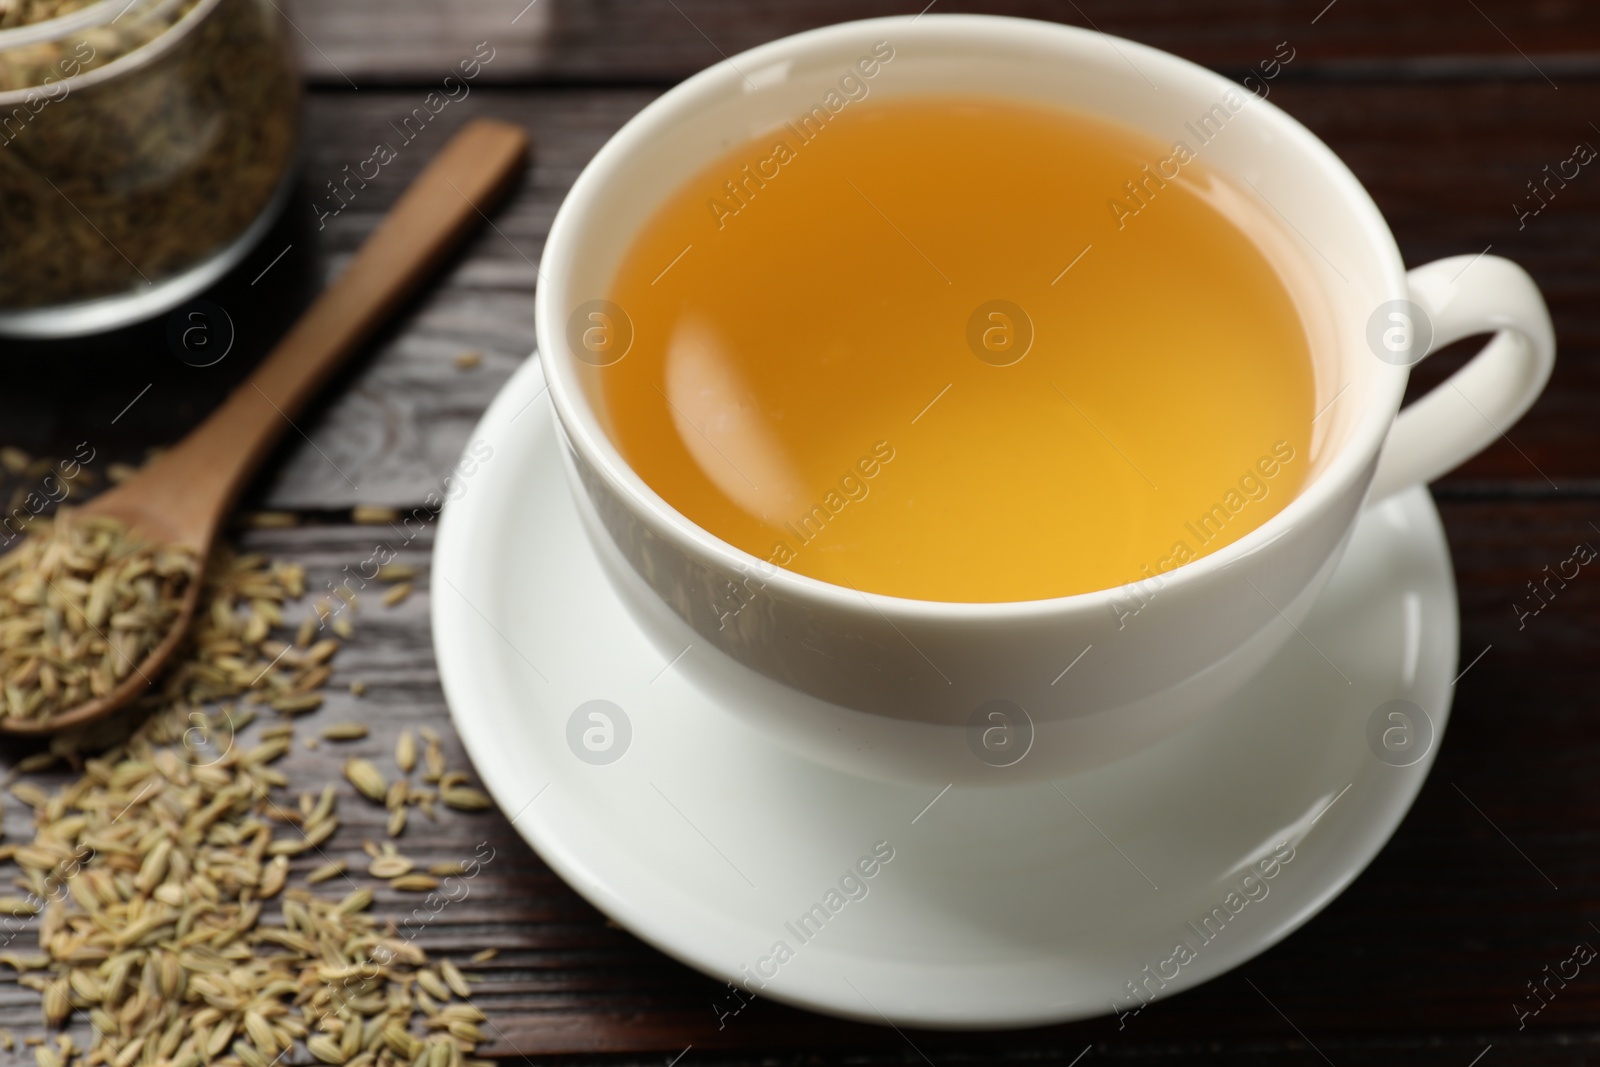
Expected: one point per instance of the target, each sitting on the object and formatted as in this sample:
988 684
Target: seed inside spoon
82 602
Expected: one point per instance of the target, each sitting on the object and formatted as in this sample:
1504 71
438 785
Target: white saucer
1009 906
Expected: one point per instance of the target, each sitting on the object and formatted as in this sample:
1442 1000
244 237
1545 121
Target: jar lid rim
89 18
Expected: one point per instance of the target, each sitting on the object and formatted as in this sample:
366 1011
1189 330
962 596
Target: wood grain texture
1441 108
1444 162
365 43
1432 943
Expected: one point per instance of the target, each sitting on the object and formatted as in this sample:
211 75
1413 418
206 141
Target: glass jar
145 146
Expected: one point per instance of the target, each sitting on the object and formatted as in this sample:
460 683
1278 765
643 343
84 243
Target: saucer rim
565 858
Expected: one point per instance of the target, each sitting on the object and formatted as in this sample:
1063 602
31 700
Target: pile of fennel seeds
162 874
83 601
168 920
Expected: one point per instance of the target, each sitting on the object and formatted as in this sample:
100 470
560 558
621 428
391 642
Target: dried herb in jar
134 150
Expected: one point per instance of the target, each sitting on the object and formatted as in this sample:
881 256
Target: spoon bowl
157 530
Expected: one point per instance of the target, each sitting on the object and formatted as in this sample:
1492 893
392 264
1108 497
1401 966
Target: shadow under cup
892 686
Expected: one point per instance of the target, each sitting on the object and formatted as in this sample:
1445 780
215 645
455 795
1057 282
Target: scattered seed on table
464 798
325 872
405 752
367 779
416 883
390 866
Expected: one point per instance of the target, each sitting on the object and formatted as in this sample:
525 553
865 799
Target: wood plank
1418 962
1451 898
400 417
1444 162
1452 194
365 43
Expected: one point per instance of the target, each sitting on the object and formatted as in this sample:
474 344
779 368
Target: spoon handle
194 484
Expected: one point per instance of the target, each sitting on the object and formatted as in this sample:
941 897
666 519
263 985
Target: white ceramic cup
908 688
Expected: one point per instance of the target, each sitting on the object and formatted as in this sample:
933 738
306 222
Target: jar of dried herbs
145 145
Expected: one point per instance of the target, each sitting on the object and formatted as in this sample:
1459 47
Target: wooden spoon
182 497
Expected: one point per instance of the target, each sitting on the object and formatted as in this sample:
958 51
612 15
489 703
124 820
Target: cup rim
581 427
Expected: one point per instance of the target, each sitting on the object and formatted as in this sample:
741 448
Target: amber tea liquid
964 350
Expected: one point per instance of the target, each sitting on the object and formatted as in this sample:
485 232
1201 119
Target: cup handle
1461 296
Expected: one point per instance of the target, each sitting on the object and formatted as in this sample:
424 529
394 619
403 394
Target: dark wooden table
1446 109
